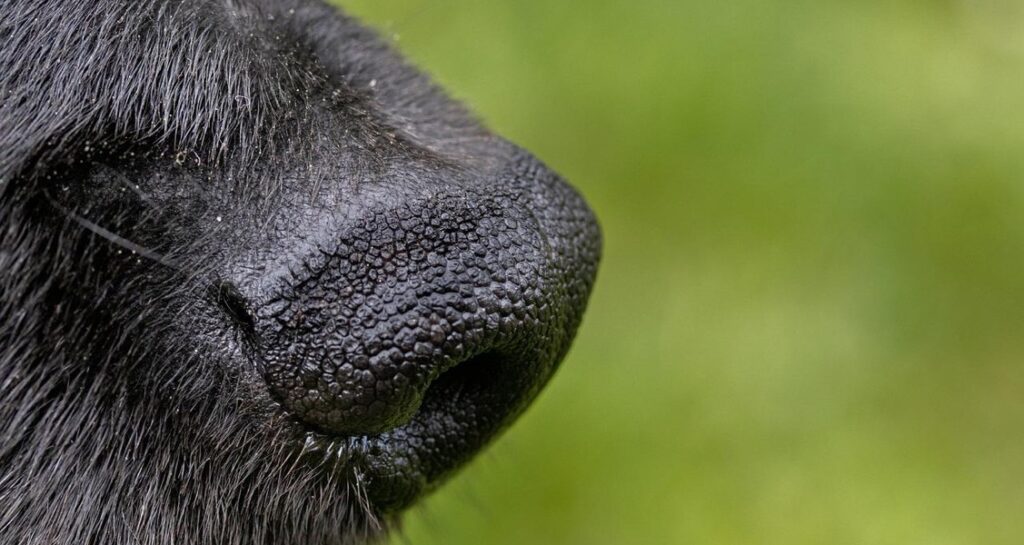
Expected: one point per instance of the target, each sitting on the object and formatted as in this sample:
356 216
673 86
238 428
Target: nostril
488 388
483 387
234 304
464 379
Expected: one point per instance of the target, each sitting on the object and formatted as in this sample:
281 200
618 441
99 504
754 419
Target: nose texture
458 306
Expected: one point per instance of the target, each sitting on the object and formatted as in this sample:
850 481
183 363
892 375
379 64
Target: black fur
209 212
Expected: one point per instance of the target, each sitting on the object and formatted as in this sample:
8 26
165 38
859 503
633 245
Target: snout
428 325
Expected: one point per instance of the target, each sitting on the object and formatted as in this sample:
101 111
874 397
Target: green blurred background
808 327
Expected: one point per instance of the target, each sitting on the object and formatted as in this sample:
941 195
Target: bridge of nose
405 293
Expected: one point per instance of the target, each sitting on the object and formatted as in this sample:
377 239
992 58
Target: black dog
262 282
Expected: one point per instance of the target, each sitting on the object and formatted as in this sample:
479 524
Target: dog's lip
378 467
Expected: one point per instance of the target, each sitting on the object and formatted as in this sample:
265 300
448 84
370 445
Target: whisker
120 177
116 239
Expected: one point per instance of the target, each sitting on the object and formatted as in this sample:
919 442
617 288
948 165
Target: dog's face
263 282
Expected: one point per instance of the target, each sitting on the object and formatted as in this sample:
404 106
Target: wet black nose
456 306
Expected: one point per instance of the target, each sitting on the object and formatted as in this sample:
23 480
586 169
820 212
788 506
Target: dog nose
460 303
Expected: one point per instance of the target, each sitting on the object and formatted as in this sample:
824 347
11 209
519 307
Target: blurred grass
809 324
